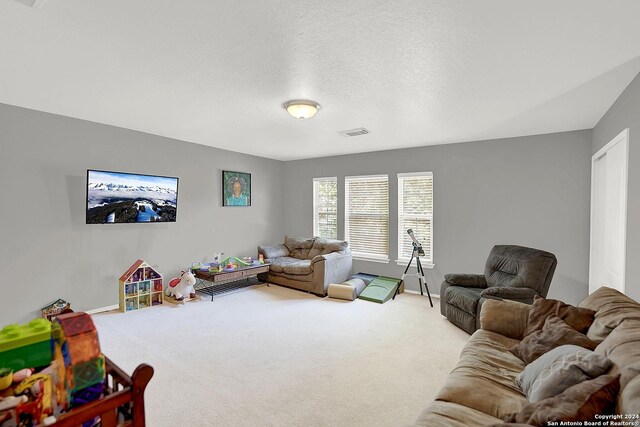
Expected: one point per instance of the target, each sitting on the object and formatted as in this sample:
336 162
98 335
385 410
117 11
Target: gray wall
625 113
46 249
533 191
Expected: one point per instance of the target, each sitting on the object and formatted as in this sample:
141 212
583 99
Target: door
609 214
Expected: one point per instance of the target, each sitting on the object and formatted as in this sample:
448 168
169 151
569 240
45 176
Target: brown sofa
308 264
481 391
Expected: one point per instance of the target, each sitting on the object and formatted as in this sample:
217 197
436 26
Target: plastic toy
235 261
217 257
26 346
22 375
57 307
12 402
182 286
6 378
78 361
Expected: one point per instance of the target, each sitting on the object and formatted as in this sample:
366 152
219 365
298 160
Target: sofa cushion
505 317
322 246
279 265
301 267
554 333
273 251
612 307
629 398
622 346
555 371
447 414
299 247
577 403
579 318
466 299
484 378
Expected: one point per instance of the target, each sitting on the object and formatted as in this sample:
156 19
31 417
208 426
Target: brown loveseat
481 390
308 264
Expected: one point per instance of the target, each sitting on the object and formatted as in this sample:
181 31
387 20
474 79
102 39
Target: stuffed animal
182 286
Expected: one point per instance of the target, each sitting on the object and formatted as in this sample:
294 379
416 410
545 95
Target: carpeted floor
272 356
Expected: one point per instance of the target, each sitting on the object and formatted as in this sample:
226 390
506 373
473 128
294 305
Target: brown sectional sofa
308 264
481 390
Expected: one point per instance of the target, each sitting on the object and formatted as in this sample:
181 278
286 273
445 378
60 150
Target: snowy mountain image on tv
115 197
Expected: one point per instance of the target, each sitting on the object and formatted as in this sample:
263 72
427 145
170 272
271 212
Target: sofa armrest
330 256
273 251
504 317
334 267
524 295
466 280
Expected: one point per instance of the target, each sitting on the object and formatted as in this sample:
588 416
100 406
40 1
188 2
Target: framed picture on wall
236 188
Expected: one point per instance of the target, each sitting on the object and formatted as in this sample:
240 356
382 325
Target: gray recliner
511 272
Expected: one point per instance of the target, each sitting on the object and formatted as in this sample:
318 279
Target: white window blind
415 211
367 216
325 207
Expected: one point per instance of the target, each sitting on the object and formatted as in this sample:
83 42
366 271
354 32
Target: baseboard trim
411 291
103 309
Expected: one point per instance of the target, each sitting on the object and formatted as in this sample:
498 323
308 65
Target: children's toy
380 290
347 290
79 363
217 257
6 378
22 375
57 307
140 287
182 287
232 263
12 402
26 346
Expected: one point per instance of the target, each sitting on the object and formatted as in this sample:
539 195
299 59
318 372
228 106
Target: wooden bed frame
123 401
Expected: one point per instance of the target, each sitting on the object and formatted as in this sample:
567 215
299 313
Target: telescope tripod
420 272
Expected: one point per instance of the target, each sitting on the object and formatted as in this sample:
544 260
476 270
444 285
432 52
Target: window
325 207
367 216
415 211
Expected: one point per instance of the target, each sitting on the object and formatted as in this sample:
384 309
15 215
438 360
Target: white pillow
555 371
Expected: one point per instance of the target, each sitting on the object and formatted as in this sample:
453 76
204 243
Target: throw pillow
553 334
577 317
299 247
323 246
579 402
555 371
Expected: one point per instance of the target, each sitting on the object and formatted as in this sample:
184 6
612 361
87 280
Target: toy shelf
140 287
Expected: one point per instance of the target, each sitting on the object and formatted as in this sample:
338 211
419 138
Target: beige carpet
272 356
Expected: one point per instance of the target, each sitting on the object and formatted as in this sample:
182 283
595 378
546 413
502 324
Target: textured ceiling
412 72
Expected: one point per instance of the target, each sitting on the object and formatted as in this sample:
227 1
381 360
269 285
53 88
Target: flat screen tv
118 197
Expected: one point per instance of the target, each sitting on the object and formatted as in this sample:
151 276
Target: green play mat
380 290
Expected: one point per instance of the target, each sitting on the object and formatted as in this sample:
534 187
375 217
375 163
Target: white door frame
621 138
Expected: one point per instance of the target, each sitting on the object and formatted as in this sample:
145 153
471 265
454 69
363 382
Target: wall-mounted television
118 197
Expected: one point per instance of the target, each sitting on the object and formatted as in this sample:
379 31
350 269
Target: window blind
325 207
367 215
415 211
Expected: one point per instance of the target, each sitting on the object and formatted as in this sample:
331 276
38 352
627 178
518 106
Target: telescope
417 253
417 246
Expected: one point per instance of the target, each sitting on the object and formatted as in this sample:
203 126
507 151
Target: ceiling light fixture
301 108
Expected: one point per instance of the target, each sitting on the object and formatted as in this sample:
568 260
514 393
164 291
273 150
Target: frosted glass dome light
301 108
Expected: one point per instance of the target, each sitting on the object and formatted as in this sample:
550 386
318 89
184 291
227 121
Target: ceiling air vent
32 3
354 132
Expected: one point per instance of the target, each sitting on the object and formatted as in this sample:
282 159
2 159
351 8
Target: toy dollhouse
140 287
